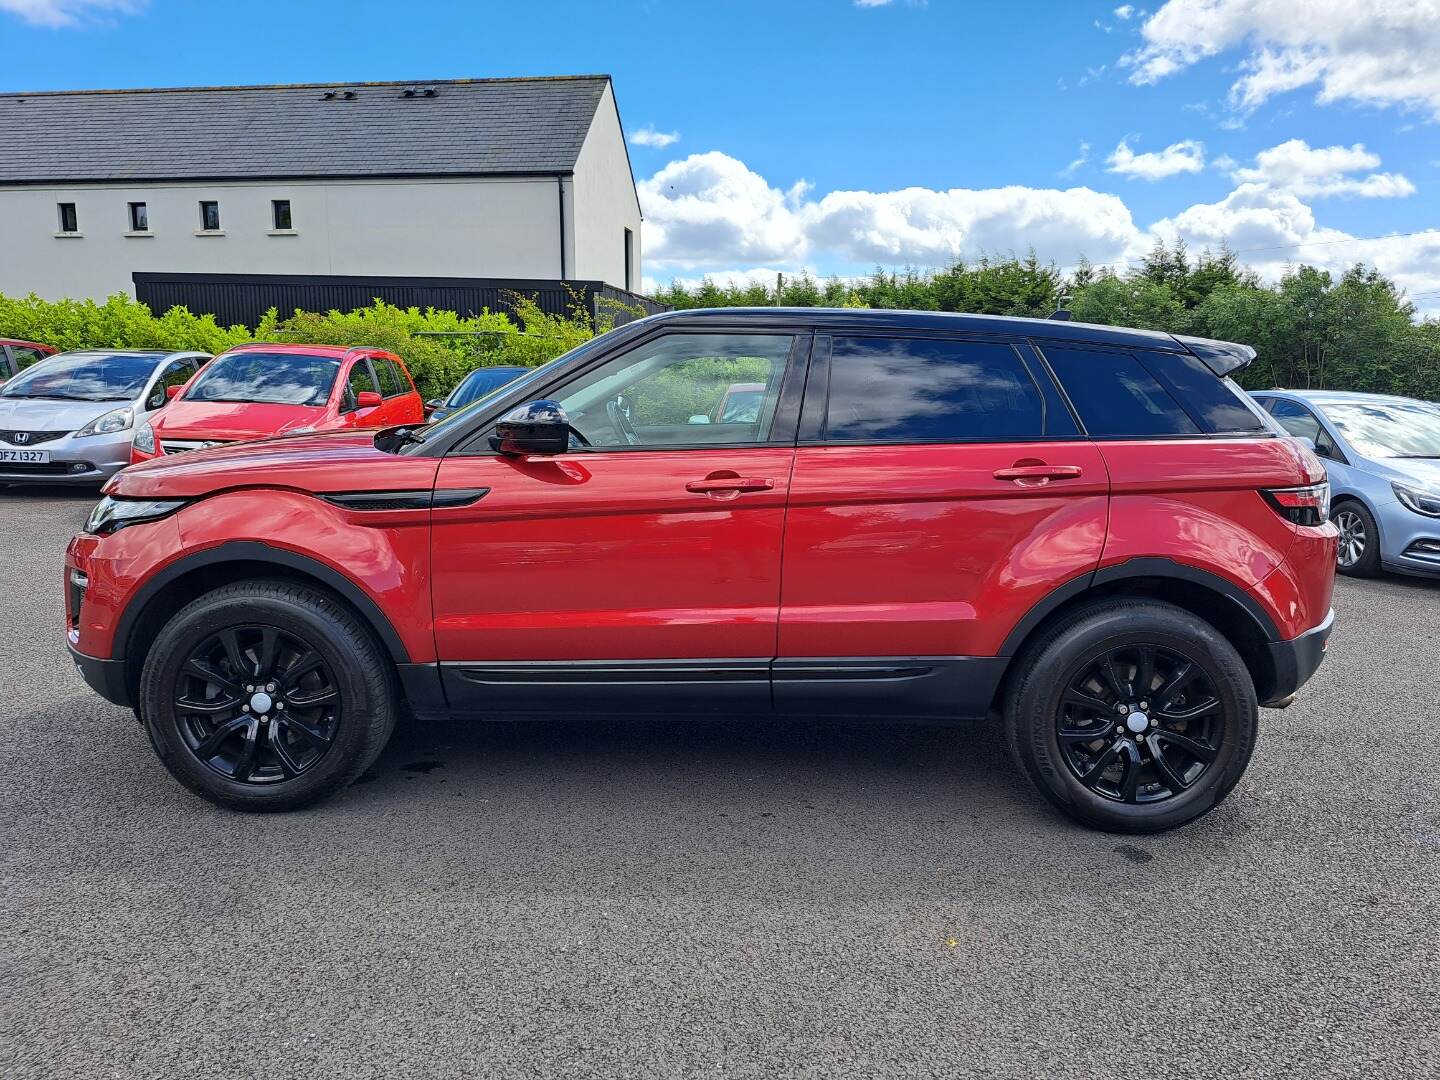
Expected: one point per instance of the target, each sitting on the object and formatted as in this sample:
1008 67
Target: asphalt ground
758 899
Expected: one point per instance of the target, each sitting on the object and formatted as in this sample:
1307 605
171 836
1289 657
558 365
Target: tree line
1311 329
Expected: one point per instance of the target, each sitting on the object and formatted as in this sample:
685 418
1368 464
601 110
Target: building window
210 216
629 260
280 215
69 222
139 217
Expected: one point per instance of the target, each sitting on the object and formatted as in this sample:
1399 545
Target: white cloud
1187 156
1377 53
648 136
1124 11
710 208
1081 157
1322 171
61 13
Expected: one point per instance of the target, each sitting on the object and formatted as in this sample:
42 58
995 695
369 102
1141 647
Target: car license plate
25 457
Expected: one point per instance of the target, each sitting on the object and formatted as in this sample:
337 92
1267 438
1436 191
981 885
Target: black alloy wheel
1139 723
257 704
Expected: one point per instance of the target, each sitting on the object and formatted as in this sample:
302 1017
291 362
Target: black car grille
30 438
31 468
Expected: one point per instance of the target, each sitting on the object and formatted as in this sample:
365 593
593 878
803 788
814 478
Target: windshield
85 377
266 378
1389 430
482 383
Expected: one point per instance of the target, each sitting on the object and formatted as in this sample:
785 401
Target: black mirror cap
537 427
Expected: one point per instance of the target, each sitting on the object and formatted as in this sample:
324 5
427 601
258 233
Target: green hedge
531 337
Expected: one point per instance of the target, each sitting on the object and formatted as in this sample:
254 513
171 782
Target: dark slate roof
470 127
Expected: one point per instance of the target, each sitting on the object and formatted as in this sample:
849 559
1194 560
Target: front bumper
88 461
1296 660
107 678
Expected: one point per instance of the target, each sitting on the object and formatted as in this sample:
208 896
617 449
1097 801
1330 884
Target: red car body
187 424
793 576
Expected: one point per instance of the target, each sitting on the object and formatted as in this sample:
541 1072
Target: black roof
467 127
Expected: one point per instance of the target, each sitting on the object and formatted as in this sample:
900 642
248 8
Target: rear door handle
725 485
1035 475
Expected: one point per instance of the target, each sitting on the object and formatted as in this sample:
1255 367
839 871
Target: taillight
1303 505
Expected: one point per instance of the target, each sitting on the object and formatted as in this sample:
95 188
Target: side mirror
433 404
367 399
172 392
537 427
1307 442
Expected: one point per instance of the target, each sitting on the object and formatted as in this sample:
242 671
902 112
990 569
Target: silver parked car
69 419
1382 457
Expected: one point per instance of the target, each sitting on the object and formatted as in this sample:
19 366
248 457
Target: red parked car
16 356
260 390
1088 529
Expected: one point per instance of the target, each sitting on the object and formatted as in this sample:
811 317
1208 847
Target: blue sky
837 135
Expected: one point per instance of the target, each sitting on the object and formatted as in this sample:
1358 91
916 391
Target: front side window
1296 419
139 217
480 383
919 390
360 381
280 215
1388 430
670 391
1115 396
269 378
69 220
85 377
176 373
210 217
24 356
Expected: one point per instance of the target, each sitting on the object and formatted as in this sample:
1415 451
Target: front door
941 490
641 571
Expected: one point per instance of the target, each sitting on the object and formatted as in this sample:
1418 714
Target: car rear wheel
1132 716
266 695
1358 553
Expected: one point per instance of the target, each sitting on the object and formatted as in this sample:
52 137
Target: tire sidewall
347 755
1039 702
1369 564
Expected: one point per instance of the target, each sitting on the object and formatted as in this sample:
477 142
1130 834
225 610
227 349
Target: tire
1056 701
270 760
1354 520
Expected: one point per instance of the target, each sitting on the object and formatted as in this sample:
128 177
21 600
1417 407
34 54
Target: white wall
605 202
460 228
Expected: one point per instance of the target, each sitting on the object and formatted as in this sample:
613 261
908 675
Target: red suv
255 391
1088 529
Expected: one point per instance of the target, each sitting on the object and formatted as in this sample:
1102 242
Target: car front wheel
266 695
1132 716
1358 551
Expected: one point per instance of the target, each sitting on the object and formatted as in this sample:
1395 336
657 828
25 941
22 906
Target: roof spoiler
1221 357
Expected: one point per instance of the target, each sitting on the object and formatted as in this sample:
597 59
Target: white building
492 178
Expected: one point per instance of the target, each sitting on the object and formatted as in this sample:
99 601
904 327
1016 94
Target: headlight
111 514
145 438
1422 502
115 420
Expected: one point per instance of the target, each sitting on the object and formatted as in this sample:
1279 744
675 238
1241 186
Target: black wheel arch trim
1140 567
255 551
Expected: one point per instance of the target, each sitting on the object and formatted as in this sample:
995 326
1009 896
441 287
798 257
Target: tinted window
669 391
1218 404
273 378
925 390
1115 395
85 377
1296 419
481 382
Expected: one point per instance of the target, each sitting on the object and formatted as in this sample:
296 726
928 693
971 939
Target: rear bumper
1296 660
105 677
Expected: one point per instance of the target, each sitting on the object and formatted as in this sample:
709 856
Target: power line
1324 243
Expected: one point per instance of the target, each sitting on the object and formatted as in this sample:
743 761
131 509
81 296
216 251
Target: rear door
641 571
941 489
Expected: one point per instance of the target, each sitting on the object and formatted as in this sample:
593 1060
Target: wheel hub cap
1136 721
260 703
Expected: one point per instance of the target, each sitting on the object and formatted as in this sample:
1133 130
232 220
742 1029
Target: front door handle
729 485
1037 475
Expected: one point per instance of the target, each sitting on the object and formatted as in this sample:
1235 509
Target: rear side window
1115 395
391 384
899 390
1216 404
